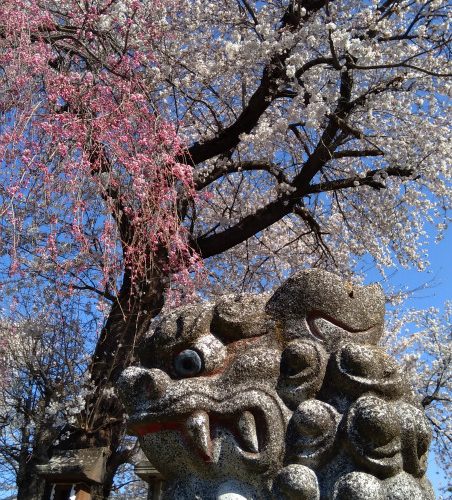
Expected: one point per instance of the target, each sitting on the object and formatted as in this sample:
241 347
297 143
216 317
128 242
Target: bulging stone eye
187 363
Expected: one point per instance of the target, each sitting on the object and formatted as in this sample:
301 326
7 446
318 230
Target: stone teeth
247 429
198 428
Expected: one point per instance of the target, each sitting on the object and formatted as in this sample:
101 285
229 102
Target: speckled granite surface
281 397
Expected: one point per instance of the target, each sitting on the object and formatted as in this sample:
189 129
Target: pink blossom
86 138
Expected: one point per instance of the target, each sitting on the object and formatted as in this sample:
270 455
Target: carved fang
198 429
247 429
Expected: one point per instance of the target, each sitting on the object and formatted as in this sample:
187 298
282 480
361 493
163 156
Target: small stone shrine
287 397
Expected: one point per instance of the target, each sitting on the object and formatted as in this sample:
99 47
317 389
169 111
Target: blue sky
439 289
438 276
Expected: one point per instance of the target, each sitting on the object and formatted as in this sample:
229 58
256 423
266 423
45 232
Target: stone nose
138 385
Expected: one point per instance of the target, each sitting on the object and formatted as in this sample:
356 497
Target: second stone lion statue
281 397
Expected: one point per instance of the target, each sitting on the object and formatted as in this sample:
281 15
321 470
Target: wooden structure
71 474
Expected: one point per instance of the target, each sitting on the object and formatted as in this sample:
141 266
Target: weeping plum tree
159 148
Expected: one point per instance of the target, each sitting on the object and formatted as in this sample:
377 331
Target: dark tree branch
247 227
314 227
251 12
222 170
228 138
104 294
371 179
350 153
276 210
313 62
348 129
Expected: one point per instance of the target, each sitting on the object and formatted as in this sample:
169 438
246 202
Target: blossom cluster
91 172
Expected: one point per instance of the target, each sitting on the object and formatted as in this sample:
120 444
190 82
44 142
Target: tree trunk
30 486
102 491
102 422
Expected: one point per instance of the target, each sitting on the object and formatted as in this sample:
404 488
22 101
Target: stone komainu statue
287 397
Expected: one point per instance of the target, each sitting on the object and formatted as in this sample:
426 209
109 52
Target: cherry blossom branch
266 92
276 210
260 101
402 65
405 63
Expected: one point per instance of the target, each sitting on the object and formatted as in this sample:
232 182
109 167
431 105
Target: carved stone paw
302 369
358 486
362 486
374 435
416 437
296 482
356 369
386 437
311 433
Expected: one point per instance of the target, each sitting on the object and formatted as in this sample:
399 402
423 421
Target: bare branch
201 181
350 153
373 178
